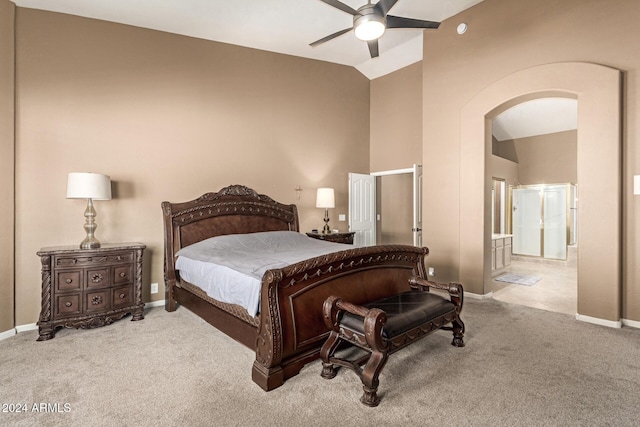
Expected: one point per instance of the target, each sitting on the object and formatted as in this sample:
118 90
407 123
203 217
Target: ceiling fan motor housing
369 23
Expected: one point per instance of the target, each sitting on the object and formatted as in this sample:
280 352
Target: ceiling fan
371 20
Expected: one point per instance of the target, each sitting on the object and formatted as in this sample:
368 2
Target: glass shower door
555 221
527 223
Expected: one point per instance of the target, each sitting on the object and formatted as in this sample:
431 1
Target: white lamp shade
325 198
88 186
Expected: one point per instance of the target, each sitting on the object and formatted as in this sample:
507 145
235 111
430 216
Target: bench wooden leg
458 332
370 381
326 352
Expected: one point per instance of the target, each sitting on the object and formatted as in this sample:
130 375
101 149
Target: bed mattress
230 268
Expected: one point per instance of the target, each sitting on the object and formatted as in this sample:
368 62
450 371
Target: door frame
416 170
598 91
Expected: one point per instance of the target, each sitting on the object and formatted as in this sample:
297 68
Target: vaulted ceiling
289 26
283 26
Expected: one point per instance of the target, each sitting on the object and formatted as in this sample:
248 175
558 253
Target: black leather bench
387 325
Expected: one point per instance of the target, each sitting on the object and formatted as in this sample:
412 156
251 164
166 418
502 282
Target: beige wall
7 20
169 118
546 159
396 119
500 42
505 170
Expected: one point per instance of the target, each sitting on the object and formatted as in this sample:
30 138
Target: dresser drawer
123 274
97 278
121 296
68 281
96 301
94 259
67 305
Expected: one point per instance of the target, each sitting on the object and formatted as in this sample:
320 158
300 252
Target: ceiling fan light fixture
370 30
368 24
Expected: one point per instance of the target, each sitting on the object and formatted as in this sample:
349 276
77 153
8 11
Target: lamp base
326 229
89 244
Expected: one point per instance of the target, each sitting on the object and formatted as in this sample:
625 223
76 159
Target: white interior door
362 208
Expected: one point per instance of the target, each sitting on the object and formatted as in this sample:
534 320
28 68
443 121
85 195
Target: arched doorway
535 189
597 89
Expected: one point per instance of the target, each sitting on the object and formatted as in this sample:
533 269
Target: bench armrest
374 318
455 290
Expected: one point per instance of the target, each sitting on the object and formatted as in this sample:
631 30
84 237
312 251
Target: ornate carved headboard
235 209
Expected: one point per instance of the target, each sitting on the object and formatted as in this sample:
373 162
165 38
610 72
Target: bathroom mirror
498 193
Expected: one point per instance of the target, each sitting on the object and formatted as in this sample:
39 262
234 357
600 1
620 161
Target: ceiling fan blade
331 36
399 22
373 48
384 6
339 5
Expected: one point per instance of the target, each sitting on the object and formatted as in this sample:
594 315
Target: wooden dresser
88 288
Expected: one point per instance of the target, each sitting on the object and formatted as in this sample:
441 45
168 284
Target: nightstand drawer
67 305
97 278
96 301
123 274
68 281
121 296
94 259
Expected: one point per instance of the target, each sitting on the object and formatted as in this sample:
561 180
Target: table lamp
90 186
325 199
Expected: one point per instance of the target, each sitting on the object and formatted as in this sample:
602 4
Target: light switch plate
636 185
342 217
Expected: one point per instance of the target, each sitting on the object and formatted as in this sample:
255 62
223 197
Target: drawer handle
123 274
68 304
96 278
122 296
96 300
69 280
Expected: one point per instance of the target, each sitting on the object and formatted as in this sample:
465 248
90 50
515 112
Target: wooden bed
289 330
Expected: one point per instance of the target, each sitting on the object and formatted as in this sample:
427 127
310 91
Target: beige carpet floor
521 367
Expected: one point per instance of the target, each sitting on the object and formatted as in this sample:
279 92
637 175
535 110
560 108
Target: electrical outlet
154 288
432 271
342 217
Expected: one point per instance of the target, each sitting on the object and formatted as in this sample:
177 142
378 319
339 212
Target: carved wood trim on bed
289 330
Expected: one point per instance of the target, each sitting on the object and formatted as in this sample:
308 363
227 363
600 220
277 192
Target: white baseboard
597 321
478 296
154 303
631 323
7 334
25 328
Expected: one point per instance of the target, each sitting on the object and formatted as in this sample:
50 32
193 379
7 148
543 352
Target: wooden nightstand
88 288
339 237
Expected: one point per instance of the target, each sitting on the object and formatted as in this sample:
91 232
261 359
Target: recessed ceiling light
462 28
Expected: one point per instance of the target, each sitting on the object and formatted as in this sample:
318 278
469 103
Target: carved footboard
292 329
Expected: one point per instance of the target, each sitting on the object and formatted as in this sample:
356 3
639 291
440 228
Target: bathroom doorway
599 147
530 157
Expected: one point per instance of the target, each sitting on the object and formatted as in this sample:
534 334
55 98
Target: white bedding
230 268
